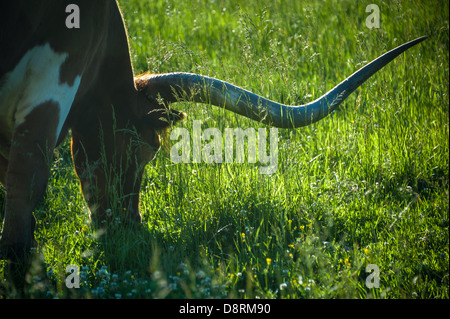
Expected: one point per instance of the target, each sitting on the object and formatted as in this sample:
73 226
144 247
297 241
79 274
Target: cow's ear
163 118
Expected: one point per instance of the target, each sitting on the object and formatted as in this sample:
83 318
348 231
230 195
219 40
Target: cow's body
53 78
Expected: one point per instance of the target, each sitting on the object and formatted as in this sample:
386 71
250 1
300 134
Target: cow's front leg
26 179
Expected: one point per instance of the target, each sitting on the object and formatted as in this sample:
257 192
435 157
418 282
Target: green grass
367 185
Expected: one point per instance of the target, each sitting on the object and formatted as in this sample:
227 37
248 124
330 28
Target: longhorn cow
54 78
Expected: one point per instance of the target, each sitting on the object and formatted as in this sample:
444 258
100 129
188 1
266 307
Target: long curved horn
173 87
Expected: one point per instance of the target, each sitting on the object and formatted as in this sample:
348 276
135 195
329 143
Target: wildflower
366 251
269 261
347 262
103 271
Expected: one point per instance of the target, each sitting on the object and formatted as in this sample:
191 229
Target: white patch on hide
33 81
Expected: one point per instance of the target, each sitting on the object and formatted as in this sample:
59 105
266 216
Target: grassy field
368 185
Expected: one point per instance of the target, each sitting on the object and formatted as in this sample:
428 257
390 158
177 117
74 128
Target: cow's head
110 162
